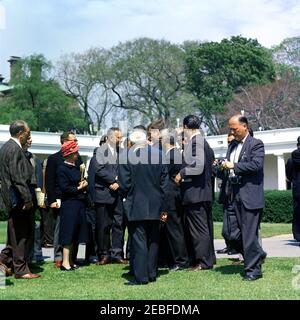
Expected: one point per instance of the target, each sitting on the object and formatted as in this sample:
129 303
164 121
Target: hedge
278 207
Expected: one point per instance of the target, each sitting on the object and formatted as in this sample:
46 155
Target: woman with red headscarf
73 227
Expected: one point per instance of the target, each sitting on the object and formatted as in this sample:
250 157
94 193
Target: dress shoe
199 267
222 251
120 261
28 276
103 261
57 264
6 271
74 266
252 277
135 283
263 258
62 268
152 279
231 252
177 267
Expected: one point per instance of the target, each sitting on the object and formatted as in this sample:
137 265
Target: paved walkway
279 246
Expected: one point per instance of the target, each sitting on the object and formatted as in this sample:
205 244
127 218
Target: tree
149 77
287 54
215 71
39 100
85 77
270 106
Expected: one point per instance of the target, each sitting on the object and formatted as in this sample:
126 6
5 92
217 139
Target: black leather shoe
62 268
232 252
176 267
152 279
263 258
222 251
135 283
75 266
252 278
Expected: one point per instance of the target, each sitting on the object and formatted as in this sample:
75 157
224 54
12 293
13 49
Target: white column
281 172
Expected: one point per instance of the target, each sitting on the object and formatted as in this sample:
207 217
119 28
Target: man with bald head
245 162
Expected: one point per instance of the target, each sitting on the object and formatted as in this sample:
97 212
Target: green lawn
106 282
267 230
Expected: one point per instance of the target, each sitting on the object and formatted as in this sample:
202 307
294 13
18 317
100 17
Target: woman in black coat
73 228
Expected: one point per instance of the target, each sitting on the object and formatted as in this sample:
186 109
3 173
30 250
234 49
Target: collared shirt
17 142
170 150
235 154
194 135
112 150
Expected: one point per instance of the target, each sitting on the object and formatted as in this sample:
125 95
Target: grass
106 282
267 230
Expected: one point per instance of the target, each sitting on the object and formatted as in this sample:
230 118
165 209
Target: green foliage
216 70
278 207
39 100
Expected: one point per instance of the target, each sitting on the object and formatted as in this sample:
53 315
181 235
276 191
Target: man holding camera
245 164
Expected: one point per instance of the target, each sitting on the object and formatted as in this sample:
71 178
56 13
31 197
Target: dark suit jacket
196 172
174 163
144 185
292 170
15 172
251 168
103 170
52 187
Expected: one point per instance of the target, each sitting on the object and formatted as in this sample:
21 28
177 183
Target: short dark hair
243 119
158 124
65 135
103 139
112 130
17 126
191 122
251 132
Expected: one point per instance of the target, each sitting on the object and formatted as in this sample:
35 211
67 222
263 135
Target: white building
278 146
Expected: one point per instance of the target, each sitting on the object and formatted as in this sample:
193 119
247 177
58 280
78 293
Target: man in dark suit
54 194
174 224
15 174
144 181
293 175
245 162
195 179
103 171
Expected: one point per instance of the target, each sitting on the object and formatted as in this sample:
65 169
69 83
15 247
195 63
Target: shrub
278 207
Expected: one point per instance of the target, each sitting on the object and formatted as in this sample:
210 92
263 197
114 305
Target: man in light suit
245 162
15 174
195 179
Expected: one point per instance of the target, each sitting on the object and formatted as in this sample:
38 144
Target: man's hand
27 206
228 165
54 205
82 184
114 186
164 216
178 179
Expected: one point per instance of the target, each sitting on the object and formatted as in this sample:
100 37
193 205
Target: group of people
158 182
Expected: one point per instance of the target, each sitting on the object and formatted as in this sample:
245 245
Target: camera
235 180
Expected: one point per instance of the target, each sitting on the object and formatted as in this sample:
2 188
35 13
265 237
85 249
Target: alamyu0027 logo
296 278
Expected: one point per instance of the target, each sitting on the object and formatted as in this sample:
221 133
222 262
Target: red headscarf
69 147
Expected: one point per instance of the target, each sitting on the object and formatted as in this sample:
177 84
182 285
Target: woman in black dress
73 228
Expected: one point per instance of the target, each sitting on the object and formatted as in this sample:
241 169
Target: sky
56 27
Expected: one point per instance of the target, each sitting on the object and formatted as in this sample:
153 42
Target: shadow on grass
230 269
36 267
129 276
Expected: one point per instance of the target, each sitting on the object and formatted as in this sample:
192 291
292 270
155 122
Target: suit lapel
247 141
